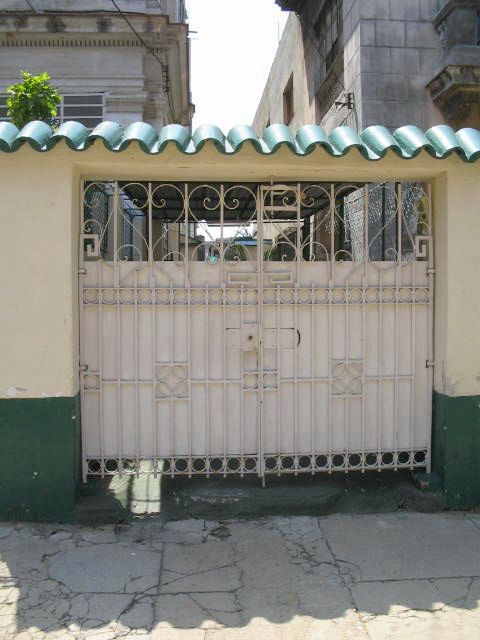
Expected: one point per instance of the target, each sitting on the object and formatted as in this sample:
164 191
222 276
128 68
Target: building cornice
450 6
73 41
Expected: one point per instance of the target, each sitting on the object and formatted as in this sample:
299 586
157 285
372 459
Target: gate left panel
163 317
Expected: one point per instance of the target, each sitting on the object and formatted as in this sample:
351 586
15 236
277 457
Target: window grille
87 108
329 29
288 108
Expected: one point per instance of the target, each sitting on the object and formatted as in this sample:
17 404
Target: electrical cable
334 72
149 50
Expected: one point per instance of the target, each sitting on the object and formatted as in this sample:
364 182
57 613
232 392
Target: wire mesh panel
248 328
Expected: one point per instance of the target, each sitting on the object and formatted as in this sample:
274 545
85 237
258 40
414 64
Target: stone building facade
127 64
365 62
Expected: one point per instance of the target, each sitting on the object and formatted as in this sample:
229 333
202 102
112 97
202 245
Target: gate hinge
431 271
429 363
83 367
82 272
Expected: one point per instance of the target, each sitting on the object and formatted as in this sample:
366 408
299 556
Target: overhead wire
151 51
336 76
31 6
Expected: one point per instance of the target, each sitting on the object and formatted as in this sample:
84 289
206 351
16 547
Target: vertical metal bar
153 321
135 373
242 373
260 269
207 374
296 332
383 219
413 331
311 251
295 372
398 276
81 286
346 413
100 365
172 364
313 338
188 286
430 336
331 284
118 330
223 303
380 368
365 276
279 368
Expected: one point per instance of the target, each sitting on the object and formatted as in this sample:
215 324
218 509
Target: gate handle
299 338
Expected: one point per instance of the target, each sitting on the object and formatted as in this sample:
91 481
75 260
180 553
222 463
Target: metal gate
250 328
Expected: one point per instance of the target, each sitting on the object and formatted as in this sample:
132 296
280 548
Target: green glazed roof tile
373 143
470 141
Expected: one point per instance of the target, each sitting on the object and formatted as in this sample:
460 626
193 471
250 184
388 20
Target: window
87 108
288 101
328 30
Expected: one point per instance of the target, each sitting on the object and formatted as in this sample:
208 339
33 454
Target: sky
231 55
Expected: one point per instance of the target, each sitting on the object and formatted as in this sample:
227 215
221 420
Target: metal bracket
82 272
83 367
429 363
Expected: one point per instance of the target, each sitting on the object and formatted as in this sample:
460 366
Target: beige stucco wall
37 324
38 248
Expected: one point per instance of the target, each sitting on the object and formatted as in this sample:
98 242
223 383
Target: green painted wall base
40 455
39 458
456 448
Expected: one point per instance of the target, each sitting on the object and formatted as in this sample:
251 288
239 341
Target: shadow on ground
115 499
388 575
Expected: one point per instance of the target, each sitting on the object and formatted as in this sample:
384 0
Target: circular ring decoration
355 296
179 372
269 380
162 371
127 296
109 296
162 390
144 296
339 296
180 296
422 295
232 296
372 295
269 296
388 295
250 297
197 296
162 296
215 296
305 296
90 296
287 296
250 381
321 296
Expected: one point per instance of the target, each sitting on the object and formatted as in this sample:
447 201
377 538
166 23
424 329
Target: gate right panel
347 328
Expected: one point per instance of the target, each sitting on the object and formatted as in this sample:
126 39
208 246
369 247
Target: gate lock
250 337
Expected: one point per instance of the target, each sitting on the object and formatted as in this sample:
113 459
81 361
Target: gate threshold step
119 499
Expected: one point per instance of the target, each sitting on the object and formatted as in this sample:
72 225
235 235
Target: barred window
328 29
87 108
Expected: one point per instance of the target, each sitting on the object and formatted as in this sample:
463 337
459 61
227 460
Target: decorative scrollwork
347 377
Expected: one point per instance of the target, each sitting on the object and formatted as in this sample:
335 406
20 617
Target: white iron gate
243 328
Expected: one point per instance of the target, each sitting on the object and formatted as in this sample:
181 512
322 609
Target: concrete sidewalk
383 576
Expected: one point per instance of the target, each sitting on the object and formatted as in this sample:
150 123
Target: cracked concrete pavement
388 576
